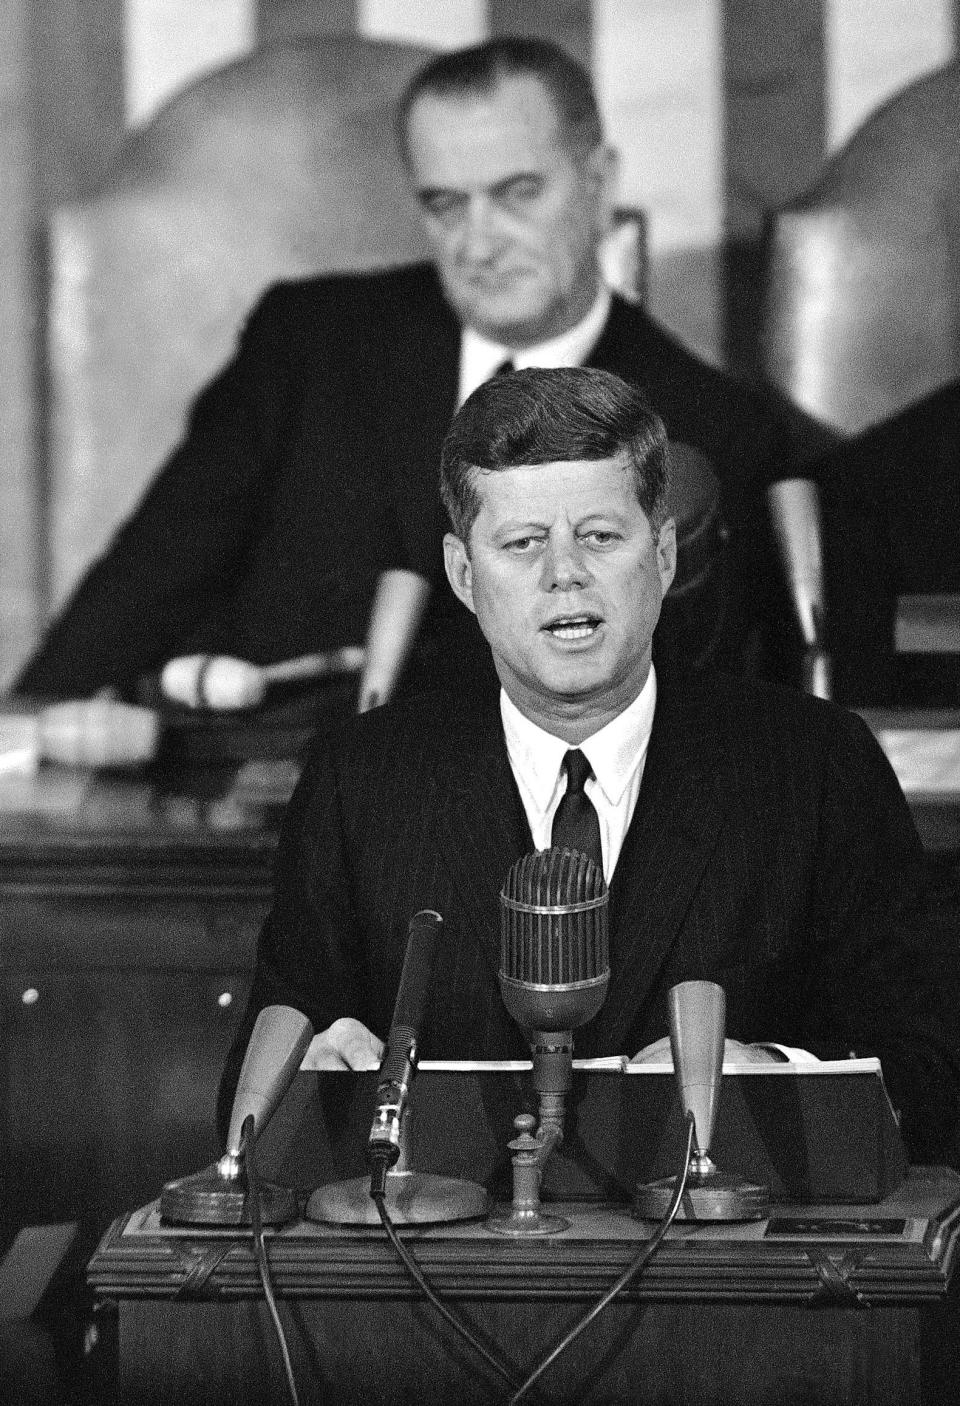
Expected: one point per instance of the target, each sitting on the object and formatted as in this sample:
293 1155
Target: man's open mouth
573 627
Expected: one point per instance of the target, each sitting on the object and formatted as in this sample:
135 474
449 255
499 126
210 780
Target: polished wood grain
725 1314
129 914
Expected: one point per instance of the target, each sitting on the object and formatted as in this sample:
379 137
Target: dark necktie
575 822
503 368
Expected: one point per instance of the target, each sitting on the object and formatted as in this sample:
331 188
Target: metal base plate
505 1222
207 1198
413 1198
716 1197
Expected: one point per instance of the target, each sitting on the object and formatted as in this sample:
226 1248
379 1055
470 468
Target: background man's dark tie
503 368
575 823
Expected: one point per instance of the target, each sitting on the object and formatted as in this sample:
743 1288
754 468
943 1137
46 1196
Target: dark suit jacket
310 466
771 850
891 500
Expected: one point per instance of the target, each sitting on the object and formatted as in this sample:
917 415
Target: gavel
221 682
87 732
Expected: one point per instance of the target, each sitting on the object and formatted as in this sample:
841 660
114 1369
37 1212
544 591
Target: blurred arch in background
279 165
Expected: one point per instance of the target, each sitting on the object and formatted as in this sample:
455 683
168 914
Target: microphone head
275 1050
554 940
698 1017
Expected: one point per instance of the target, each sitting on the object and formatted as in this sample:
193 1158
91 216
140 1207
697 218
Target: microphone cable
639 1262
405 1256
248 1141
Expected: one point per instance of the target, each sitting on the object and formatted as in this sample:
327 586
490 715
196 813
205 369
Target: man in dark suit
750 835
303 496
891 527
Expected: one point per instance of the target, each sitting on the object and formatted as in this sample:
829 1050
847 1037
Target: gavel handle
346 660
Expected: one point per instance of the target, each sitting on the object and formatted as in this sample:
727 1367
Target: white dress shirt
616 753
479 358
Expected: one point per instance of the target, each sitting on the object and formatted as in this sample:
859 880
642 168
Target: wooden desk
927 624
129 911
725 1314
923 747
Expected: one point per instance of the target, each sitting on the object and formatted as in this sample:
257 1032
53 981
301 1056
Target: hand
371 696
346 1044
733 1051
399 603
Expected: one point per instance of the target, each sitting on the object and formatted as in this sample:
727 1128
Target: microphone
697 1012
399 1062
554 940
412 1197
554 974
219 1195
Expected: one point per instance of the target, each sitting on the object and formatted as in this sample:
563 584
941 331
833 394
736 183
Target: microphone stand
554 973
221 1194
552 1077
409 1197
412 1197
697 1011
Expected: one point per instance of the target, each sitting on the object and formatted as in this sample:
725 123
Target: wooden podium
821 1303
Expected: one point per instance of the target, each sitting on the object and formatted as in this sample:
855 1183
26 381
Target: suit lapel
622 345
431 359
673 833
482 827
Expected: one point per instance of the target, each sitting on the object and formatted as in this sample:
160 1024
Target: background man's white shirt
479 358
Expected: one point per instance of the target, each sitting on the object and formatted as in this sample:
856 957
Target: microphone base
413 1198
207 1198
715 1197
522 1223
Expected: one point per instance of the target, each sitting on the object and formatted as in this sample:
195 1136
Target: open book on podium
817 1132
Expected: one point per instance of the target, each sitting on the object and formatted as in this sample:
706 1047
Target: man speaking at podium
750 836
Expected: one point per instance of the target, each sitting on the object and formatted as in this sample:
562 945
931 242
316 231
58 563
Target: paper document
620 1064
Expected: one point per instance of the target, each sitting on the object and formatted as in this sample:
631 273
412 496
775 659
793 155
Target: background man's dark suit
771 851
310 466
891 500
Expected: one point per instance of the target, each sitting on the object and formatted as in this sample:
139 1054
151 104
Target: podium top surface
899 1251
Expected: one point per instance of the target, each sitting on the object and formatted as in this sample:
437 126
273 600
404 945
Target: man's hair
479 70
547 416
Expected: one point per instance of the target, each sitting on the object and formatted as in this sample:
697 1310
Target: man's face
566 579
513 217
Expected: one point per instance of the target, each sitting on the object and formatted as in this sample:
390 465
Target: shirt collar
614 752
479 357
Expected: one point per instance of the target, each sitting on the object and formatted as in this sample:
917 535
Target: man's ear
456 560
604 164
667 554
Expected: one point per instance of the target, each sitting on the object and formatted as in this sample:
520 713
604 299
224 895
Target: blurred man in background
300 511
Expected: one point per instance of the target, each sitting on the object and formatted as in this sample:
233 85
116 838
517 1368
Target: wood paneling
61 116
775 106
18 502
567 22
773 139
77 70
282 18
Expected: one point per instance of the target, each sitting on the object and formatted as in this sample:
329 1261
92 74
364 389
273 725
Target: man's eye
442 205
521 191
600 538
522 544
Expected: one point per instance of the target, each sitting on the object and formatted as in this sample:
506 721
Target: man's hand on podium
346 1044
733 1051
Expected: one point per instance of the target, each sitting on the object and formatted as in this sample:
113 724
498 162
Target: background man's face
566 579
513 218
